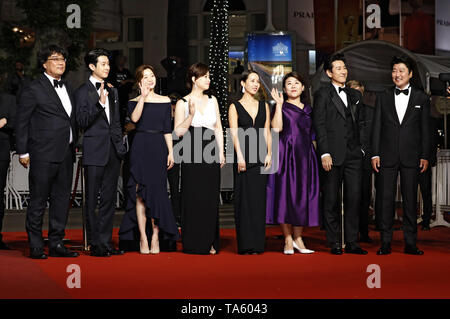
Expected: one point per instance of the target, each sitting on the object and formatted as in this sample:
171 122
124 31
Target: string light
218 57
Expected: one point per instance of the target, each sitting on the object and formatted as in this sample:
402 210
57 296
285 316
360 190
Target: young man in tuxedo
45 137
98 114
341 148
365 121
400 144
7 116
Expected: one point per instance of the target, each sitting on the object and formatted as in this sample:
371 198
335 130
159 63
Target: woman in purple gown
293 190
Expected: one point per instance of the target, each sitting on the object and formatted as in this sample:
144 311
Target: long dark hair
304 97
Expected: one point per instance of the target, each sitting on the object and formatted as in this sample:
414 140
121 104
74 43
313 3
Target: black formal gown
250 187
148 170
200 186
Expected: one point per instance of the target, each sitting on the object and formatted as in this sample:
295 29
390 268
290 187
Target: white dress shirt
65 100
343 97
401 103
341 94
106 105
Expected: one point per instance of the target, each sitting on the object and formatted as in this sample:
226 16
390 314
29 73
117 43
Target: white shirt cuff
24 155
326 154
375 157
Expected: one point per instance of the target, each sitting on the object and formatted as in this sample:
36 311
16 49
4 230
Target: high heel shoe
143 251
155 243
302 251
155 251
288 251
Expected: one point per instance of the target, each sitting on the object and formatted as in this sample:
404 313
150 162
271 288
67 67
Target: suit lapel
352 106
410 105
393 109
45 82
93 96
112 105
340 106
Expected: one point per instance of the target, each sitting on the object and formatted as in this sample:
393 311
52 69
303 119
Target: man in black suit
365 122
7 116
341 148
425 179
401 138
98 114
45 137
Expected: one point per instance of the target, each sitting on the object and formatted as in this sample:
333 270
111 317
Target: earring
243 90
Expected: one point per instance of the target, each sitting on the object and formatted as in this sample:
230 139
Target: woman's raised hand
145 89
277 96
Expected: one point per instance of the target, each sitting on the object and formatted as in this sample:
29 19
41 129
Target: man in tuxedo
98 114
45 137
365 122
7 116
341 148
401 138
425 179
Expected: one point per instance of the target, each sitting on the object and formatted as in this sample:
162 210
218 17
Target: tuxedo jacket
404 143
365 122
330 122
42 124
8 111
99 134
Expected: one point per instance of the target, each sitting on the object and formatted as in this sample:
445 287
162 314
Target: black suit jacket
8 111
329 122
42 124
404 143
99 134
365 122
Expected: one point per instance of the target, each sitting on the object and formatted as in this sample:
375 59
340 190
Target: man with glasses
45 137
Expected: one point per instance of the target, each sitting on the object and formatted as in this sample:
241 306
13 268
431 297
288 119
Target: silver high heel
302 251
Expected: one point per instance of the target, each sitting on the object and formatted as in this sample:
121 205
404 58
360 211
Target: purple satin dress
293 191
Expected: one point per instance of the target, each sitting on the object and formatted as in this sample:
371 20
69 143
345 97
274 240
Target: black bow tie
99 84
57 83
398 91
342 89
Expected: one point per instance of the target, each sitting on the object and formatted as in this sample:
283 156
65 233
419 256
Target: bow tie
398 91
342 89
57 83
99 84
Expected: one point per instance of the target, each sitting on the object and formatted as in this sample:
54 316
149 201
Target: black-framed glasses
57 59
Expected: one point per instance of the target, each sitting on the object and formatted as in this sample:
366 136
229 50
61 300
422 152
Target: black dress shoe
413 251
426 227
336 251
384 250
3 246
98 251
355 250
61 251
37 253
115 252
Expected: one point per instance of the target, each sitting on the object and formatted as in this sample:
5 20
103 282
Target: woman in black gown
151 155
198 114
244 116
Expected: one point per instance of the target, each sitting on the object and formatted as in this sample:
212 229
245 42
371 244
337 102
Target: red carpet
227 275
